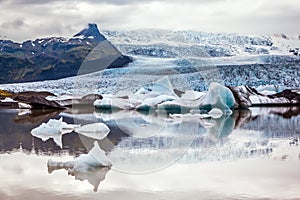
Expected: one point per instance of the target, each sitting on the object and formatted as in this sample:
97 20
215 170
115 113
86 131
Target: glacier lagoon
251 154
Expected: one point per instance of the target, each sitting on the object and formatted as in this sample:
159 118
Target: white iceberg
95 158
96 131
8 100
85 162
24 105
92 167
53 129
153 102
116 103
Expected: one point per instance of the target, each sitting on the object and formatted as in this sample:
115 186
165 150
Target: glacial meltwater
251 154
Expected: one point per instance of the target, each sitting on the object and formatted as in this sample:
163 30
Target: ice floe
96 131
92 167
85 162
53 129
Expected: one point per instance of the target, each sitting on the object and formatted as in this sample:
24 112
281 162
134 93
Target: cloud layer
28 19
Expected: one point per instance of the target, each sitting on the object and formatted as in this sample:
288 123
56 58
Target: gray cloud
14 24
29 19
111 2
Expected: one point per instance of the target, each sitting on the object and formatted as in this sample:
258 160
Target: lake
252 154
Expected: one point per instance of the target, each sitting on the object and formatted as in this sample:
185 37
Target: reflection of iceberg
95 158
96 131
94 176
53 129
139 125
220 127
92 166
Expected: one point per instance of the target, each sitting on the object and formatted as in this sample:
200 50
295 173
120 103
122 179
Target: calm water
252 154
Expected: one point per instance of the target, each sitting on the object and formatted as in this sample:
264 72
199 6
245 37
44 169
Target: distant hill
56 57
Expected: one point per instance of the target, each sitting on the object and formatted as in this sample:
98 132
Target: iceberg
95 158
153 102
116 103
92 167
85 162
53 129
96 131
219 96
24 105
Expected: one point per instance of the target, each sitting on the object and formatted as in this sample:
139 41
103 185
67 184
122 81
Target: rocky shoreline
243 97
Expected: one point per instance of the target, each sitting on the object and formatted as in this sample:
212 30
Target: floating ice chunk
219 96
24 105
95 158
45 132
66 128
215 113
153 102
92 166
53 129
96 131
116 103
8 100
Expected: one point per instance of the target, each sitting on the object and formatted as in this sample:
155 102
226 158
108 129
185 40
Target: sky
28 19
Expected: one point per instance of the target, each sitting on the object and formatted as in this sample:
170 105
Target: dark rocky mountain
56 57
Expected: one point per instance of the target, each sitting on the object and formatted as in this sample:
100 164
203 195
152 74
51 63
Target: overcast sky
29 19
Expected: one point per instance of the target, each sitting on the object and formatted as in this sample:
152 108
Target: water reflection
140 143
95 175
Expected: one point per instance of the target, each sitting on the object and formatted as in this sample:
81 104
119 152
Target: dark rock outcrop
246 96
38 102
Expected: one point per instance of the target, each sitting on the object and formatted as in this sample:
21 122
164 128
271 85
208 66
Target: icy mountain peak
91 32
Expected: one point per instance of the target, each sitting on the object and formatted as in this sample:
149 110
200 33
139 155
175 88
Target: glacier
190 59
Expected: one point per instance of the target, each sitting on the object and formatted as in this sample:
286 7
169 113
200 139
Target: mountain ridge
56 57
